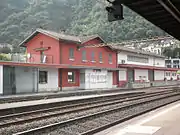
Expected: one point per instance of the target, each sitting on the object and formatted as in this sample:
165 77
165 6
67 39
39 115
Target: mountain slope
19 18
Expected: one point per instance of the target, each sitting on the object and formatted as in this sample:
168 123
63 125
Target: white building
141 66
172 63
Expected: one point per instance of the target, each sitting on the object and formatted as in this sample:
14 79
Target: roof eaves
92 37
26 39
22 44
47 33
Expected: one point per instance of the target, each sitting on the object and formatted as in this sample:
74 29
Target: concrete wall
26 79
141 85
52 80
164 83
159 62
1 79
141 75
158 75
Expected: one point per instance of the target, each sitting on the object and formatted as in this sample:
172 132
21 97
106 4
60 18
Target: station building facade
140 66
61 63
56 61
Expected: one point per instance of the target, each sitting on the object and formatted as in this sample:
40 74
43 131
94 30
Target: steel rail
73 110
118 96
98 114
11 111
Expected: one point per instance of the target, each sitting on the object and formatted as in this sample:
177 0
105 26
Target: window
100 57
92 56
84 55
71 53
71 77
168 74
110 58
137 59
173 74
43 77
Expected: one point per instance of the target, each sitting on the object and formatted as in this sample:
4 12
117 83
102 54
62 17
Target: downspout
37 80
60 70
117 72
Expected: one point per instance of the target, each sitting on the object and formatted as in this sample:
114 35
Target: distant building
2 45
172 63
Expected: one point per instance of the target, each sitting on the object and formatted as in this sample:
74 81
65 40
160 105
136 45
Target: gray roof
60 36
83 39
121 48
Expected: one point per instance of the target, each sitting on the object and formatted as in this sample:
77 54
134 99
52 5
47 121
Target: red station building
55 61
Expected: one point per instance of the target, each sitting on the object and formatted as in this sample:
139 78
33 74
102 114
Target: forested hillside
18 18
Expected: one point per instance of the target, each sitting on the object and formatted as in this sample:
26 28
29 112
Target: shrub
4 57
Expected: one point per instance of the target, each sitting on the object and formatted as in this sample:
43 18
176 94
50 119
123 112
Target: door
130 75
82 80
151 75
110 80
9 81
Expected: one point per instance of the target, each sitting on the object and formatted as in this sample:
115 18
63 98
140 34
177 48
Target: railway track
47 106
56 95
67 112
20 118
94 122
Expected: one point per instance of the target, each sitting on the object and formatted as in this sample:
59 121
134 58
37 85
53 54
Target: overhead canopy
163 13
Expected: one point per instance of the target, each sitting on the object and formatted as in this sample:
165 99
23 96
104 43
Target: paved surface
163 121
61 99
78 91
53 100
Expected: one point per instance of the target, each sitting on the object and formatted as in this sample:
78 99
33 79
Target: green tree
78 17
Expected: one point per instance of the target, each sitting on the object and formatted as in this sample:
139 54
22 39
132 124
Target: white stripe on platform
158 114
139 130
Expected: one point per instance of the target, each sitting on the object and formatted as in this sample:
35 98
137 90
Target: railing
32 58
150 84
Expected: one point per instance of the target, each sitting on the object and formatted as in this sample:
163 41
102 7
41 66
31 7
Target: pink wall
52 53
65 78
78 55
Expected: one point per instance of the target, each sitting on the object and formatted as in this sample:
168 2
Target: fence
150 84
32 58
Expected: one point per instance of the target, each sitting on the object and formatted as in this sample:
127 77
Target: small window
167 74
100 57
71 53
43 77
110 58
92 56
71 77
84 55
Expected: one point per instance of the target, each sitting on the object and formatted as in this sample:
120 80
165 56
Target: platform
68 98
163 121
77 92
61 99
